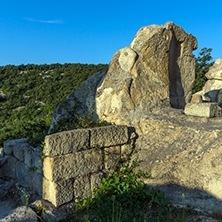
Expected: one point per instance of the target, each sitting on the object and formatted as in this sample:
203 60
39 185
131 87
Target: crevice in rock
177 99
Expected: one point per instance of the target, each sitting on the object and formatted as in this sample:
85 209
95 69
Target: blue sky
91 32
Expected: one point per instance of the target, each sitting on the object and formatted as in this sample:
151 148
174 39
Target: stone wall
182 153
74 162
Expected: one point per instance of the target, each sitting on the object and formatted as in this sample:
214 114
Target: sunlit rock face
157 70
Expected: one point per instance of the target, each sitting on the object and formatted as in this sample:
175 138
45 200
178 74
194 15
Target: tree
203 63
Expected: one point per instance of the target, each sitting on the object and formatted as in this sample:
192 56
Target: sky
46 32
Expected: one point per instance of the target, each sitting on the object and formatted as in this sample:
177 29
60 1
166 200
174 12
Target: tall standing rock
157 70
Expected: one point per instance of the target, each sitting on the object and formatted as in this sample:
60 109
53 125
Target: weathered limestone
208 101
71 165
74 160
58 193
108 136
196 98
66 142
215 72
202 109
182 150
156 70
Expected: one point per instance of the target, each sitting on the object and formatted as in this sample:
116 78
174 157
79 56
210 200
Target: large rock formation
157 70
142 87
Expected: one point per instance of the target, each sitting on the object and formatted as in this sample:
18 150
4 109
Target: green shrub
202 67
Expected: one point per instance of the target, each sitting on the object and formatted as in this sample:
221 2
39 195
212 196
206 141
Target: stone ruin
208 101
148 88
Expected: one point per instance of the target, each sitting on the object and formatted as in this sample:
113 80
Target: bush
202 66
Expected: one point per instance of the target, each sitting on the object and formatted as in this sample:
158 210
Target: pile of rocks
208 101
212 90
13 205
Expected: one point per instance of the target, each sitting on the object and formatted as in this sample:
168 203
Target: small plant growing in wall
43 152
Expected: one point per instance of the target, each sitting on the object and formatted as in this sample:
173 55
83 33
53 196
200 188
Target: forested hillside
30 93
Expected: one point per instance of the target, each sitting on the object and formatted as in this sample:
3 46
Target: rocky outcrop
212 90
145 87
157 70
183 154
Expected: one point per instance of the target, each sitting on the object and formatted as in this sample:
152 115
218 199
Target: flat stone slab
202 109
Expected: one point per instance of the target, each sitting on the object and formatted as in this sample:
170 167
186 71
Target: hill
30 93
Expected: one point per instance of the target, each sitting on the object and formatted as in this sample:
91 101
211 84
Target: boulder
215 71
212 90
196 98
202 109
157 70
51 213
24 213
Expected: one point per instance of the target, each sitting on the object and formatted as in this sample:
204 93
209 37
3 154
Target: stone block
108 136
36 159
23 213
196 98
32 158
112 157
96 181
9 145
201 109
82 187
59 192
72 165
18 150
66 142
